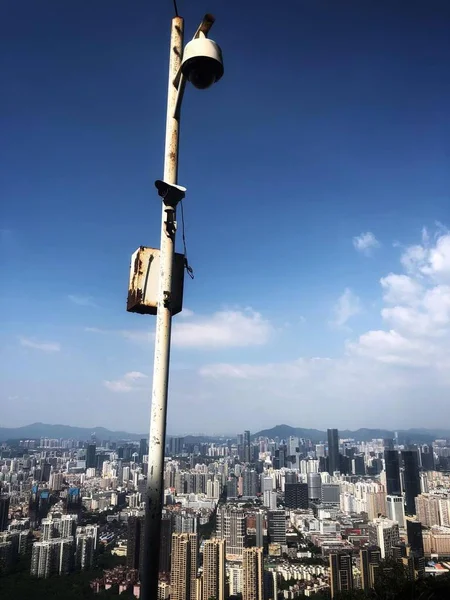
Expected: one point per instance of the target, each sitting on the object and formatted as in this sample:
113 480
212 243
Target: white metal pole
157 438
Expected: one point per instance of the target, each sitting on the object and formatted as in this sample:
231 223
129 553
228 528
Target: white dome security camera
202 62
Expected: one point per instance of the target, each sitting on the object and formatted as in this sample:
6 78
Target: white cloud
37 345
400 289
366 243
81 300
391 347
429 260
128 383
417 314
226 328
391 374
347 306
223 329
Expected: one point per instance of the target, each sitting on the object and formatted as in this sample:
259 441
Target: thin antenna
175 8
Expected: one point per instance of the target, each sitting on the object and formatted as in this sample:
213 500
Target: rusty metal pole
157 438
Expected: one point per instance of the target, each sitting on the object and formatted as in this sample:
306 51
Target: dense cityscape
253 517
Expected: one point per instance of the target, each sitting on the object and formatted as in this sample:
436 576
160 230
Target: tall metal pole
157 438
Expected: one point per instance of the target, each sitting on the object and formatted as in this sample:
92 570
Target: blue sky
318 176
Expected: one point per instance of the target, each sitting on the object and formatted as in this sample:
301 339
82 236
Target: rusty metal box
144 282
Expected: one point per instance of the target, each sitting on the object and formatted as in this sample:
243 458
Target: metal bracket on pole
205 26
180 84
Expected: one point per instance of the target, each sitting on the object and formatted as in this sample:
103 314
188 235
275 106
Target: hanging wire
176 8
187 266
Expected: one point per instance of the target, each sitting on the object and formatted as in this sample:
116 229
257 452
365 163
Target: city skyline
240 516
283 431
316 215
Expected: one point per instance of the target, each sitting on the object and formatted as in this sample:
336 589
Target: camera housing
202 62
169 192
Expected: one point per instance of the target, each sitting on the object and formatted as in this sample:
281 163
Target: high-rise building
270 585
164 590
396 509
411 479
427 458
183 573
415 537
250 482
143 449
358 465
252 574
314 486
330 493
176 445
7 555
63 527
231 527
45 472
320 450
427 509
91 460
4 508
234 573
277 526
259 526
270 499
333 451
135 542
267 484
384 533
290 477
232 486
296 495
341 573
444 512
52 557
214 569
376 504
84 554
247 447
392 467
370 559
56 482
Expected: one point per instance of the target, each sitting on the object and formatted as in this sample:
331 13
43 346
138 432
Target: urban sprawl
251 517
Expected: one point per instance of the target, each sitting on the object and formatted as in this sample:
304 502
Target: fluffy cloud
417 310
223 329
429 260
128 383
347 306
401 366
365 243
37 345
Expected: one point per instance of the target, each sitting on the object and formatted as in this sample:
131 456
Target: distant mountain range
283 432
38 430
67 432
361 435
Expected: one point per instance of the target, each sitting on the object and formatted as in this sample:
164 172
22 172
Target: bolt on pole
157 438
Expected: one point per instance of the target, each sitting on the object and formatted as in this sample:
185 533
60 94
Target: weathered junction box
144 282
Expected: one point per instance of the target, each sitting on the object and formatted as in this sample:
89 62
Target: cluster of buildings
259 519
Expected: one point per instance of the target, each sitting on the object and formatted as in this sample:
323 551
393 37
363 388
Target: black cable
187 266
176 8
